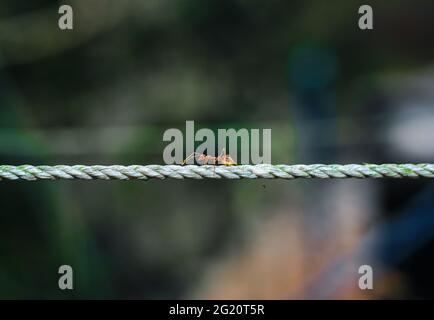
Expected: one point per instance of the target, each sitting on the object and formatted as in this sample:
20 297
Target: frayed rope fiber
266 171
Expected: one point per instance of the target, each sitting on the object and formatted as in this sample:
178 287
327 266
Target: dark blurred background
105 92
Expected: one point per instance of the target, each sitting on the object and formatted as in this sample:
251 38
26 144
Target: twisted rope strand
267 171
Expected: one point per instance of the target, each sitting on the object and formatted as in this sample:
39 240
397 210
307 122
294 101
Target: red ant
223 159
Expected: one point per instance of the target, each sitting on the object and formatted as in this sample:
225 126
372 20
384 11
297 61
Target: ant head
229 160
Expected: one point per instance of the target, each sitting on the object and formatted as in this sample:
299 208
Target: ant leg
194 155
188 158
210 160
220 158
213 167
215 162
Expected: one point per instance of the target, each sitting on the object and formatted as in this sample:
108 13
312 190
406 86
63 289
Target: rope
267 171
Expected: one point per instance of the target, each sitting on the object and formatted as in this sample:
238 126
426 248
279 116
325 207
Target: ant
223 159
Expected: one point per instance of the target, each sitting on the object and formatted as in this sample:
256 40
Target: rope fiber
267 171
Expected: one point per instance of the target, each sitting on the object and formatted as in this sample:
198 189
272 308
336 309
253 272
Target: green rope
267 171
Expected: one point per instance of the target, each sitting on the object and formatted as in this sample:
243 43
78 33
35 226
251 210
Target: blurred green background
105 92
